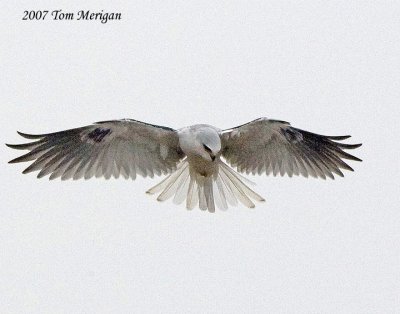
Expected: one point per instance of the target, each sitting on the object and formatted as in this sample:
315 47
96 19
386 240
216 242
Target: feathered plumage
191 157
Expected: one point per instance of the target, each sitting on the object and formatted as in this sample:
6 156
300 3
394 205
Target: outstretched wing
109 148
272 146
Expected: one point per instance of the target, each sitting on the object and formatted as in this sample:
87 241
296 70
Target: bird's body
191 156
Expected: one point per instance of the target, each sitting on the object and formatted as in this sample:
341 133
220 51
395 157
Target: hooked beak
209 151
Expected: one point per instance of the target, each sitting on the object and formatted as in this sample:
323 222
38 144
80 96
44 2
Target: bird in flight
195 158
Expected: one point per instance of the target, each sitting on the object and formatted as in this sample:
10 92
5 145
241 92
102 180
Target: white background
105 247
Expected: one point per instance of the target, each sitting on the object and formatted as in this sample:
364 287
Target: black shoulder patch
99 134
292 135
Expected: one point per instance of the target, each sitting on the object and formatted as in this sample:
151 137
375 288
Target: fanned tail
224 188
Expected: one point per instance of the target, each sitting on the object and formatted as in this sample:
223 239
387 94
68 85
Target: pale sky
102 246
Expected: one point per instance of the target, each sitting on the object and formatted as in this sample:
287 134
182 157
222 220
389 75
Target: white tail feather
226 187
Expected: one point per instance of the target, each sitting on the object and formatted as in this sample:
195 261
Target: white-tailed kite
191 157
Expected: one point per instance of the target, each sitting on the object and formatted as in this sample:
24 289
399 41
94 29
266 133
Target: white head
200 140
209 143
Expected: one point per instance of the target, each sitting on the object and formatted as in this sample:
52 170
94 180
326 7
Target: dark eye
207 148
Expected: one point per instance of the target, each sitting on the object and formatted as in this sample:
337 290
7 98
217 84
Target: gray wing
272 146
109 148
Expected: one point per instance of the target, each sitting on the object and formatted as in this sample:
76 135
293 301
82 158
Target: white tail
225 187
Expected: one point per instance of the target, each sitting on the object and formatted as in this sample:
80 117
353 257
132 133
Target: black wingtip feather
348 146
27 170
22 146
353 146
350 157
30 136
16 160
339 138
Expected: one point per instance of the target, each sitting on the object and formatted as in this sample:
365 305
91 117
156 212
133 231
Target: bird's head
208 143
